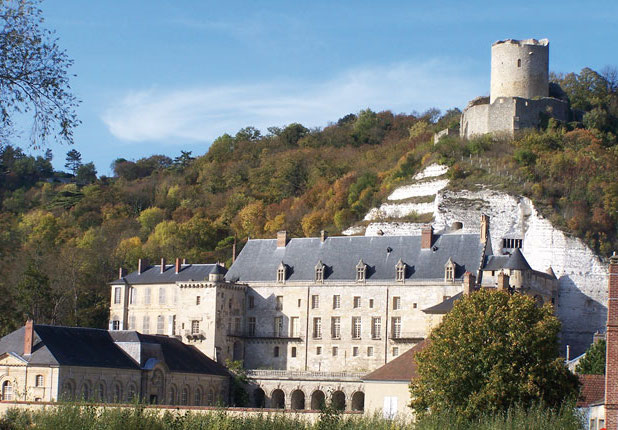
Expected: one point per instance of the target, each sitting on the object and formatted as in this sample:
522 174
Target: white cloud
203 113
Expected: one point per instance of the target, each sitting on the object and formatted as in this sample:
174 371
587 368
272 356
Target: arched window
38 381
100 391
85 391
519 62
117 393
131 392
172 400
68 391
184 396
361 271
197 399
7 391
319 272
210 400
400 271
281 273
449 271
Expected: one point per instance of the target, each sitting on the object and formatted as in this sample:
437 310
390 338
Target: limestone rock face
582 275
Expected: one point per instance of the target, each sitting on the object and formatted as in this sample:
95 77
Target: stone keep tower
519 68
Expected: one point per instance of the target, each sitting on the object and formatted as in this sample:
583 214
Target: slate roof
153 275
260 258
592 390
444 307
517 261
402 368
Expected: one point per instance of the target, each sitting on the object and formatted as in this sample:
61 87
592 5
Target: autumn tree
492 351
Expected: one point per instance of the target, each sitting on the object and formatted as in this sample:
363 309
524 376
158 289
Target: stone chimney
282 239
234 251
469 283
426 237
484 228
611 359
162 265
122 273
323 236
28 337
184 261
503 281
142 265
178 266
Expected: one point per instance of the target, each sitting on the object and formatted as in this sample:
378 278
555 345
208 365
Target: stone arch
85 391
338 400
198 397
210 397
131 391
358 401
184 395
100 391
298 400
259 398
68 390
7 391
117 392
318 400
277 399
171 397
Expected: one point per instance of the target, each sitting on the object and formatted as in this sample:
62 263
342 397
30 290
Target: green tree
492 351
593 363
73 161
86 174
34 75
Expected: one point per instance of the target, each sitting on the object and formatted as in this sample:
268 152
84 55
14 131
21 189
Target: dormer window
449 271
281 273
400 271
361 271
319 272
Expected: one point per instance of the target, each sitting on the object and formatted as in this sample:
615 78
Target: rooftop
188 272
402 368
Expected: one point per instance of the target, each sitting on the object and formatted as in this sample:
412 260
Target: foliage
491 352
240 396
73 161
34 76
593 363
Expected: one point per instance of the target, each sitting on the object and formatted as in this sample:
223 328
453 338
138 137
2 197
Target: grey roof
153 275
444 307
218 270
515 261
496 262
260 258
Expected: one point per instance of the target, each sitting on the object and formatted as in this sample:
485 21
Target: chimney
162 265
503 281
282 239
234 251
484 228
122 273
142 265
468 283
184 261
426 237
611 358
28 337
323 235
178 266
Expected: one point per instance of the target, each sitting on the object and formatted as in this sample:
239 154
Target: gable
12 359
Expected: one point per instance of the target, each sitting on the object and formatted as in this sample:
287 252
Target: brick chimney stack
611 369
503 281
163 265
469 283
178 266
426 237
234 251
28 337
484 228
142 265
282 239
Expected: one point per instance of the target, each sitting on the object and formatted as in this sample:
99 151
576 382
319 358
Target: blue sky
161 76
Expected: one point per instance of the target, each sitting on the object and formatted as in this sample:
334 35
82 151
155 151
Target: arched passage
358 401
298 400
277 399
318 400
338 400
259 398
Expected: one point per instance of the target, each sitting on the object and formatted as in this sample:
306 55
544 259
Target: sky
161 76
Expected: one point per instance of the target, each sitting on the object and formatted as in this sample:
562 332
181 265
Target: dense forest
63 236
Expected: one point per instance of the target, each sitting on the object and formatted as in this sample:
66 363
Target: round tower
519 68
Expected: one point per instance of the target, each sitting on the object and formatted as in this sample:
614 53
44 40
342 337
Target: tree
34 75
74 161
492 351
593 363
86 174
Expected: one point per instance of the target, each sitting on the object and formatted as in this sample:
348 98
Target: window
117 295
279 303
118 393
335 327
449 271
400 271
172 324
276 351
161 296
356 327
318 350
319 272
101 392
361 271
335 351
370 351
336 302
38 381
229 303
184 396
198 300
376 327
519 62
355 351
132 296
251 326
396 327
7 390
132 325
357 302
294 327
300 302
371 303
396 303
147 296
278 326
395 351
281 273
315 301
160 324
251 302
293 352
172 395
195 327
237 325
197 401
146 324
414 305
317 328
115 325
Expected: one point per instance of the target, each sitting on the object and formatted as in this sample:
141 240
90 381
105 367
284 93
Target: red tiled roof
592 390
403 368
